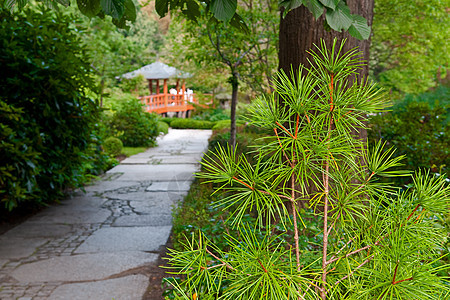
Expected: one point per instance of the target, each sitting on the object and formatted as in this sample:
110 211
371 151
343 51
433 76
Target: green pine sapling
378 242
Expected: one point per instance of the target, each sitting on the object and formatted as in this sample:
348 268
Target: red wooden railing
163 103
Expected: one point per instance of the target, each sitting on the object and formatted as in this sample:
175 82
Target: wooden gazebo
177 100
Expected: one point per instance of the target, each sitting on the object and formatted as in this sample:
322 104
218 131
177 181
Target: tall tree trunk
299 31
234 84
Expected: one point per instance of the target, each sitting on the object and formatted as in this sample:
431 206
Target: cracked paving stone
81 266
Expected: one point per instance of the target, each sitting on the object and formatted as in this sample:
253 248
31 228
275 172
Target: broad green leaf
290 4
162 7
12 4
330 3
339 18
9 4
224 10
315 7
130 11
359 28
128 15
239 23
193 10
66 3
89 8
114 8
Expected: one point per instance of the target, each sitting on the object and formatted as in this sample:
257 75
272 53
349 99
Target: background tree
116 51
122 11
409 52
246 52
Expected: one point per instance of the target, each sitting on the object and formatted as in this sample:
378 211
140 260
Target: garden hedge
46 118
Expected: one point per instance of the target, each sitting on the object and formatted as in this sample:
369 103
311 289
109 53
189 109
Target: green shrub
47 119
211 114
163 127
191 124
113 146
226 124
167 120
133 126
417 127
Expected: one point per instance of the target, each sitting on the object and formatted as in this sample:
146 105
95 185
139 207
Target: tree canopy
409 47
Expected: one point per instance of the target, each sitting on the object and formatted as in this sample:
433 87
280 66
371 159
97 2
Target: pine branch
227 265
352 272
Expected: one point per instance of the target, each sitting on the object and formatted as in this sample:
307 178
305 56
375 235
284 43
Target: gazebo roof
157 70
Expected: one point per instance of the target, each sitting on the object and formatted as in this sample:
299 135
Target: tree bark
299 31
234 93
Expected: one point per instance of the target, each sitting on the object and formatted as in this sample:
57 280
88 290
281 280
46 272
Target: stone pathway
95 244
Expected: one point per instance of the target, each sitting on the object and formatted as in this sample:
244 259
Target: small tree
246 54
377 242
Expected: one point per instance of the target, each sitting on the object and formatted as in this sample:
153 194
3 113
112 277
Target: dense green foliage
191 124
116 51
374 242
338 16
132 125
163 127
48 121
121 11
409 44
113 146
225 124
418 127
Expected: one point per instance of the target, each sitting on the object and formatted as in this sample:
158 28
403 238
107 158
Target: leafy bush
163 127
167 120
18 158
418 127
47 118
211 114
113 146
226 124
191 124
133 126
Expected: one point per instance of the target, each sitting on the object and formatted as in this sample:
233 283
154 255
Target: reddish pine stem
294 212
250 187
325 234
407 279
351 273
227 265
282 149
417 207
282 127
296 126
395 273
331 92
262 266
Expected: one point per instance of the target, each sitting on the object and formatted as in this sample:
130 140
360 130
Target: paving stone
115 239
72 214
172 172
169 186
2 261
144 220
151 197
82 267
110 185
126 212
14 248
30 230
126 288
155 206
